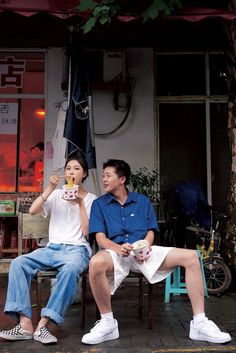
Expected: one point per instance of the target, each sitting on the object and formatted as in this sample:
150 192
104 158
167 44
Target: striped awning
59 8
67 8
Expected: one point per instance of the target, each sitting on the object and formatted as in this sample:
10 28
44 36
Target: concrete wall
134 142
54 76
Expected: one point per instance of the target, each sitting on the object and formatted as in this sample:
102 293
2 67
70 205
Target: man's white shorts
149 268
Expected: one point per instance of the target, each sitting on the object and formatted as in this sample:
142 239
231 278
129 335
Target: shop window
220 153
185 74
218 74
180 74
193 139
21 121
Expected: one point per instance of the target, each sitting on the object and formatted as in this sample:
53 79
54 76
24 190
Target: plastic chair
174 285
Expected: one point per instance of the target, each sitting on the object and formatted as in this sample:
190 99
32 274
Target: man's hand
125 249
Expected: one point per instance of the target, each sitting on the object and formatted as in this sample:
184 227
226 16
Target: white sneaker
103 330
206 330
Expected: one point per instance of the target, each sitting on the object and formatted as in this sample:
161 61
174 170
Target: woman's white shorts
149 268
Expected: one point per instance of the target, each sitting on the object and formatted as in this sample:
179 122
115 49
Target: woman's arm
37 205
84 218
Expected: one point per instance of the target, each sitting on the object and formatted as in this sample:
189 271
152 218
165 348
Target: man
119 218
36 166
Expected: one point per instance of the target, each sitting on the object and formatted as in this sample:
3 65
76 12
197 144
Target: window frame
188 99
23 96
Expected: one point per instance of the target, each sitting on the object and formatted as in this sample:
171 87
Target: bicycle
217 273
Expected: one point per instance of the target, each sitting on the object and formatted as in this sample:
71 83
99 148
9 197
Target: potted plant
146 182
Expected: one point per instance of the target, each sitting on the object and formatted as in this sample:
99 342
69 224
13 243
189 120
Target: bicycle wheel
217 274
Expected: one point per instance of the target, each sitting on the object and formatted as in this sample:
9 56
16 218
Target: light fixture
40 113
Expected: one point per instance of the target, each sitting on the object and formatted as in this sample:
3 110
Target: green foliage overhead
161 7
103 11
146 182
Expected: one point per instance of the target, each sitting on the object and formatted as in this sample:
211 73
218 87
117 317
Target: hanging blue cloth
77 125
193 203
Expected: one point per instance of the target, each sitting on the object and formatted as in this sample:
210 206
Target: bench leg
83 301
38 296
140 297
150 296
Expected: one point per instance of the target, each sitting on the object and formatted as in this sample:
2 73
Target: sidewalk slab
170 324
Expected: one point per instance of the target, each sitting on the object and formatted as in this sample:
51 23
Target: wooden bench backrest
33 227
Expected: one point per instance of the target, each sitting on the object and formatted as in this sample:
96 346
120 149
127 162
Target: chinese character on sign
8 118
11 72
4 108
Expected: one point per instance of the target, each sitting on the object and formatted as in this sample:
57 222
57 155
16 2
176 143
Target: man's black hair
122 168
39 145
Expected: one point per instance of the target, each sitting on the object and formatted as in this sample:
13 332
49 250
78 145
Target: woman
67 251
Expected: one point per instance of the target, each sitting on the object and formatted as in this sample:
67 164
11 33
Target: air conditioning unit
114 65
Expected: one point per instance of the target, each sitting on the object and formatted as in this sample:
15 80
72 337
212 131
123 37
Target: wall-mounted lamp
40 113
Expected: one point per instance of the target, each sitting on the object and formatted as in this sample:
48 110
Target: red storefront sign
11 72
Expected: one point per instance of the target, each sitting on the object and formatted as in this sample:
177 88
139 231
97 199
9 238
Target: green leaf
100 9
105 10
89 24
146 182
87 5
165 7
104 19
114 9
150 13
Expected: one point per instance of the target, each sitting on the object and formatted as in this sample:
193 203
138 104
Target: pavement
170 324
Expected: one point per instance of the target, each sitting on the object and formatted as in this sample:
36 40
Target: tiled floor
170 332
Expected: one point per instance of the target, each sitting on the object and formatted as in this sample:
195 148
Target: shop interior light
40 113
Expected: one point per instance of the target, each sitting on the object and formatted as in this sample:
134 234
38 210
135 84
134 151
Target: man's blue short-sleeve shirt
123 223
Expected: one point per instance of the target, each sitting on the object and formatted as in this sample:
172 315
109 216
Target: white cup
141 250
69 194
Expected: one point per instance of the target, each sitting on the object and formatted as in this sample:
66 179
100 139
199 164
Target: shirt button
123 218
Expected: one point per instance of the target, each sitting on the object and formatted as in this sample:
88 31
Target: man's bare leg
193 275
100 265
201 328
107 328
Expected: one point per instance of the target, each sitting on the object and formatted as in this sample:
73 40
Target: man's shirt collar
132 197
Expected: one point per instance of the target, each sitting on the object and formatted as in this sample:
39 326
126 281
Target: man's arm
150 237
124 249
105 243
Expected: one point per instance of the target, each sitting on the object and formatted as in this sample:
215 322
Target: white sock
107 316
199 317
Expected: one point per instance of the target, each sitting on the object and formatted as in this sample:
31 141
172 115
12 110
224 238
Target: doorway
192 115
190 151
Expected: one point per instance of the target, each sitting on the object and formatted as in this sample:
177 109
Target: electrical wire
129 102
126 108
